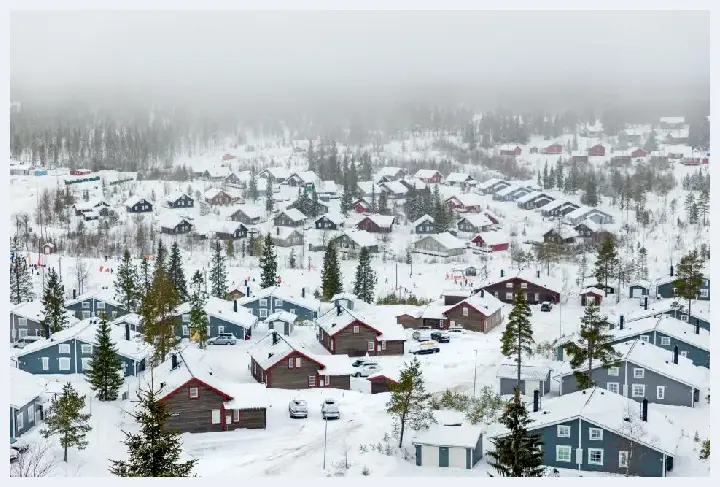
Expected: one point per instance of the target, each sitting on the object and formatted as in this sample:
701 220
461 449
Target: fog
229 58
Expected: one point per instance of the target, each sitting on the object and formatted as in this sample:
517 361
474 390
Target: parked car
26 340
456 330
421 335
366 370
362 361
545 306
298 408
425 348
330 409
440 336
223 339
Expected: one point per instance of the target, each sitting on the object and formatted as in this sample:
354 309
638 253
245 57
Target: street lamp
475 373
325 444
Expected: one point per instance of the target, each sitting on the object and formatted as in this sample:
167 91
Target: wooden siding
379 385
249 419
408 321
475 320
500 291
194 415
34 328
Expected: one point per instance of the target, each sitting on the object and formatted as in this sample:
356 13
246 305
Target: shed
380 383
457 446
281 321
532 378
591 295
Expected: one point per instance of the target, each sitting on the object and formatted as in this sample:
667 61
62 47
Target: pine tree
145 277
517 454
331 278
67 420
126 284
409 403
607 262
105 372
365 278
559 176
198 317
268 263
230 248
269 201
593 345
383 204
518 335
160 256
293 259
690 208
703 205
689 278
157 311
155 450
53 303
651 143
373 199
590 197
218 273
177 274
21 283
546 177
252 191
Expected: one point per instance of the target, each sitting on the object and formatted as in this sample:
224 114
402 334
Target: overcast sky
246 54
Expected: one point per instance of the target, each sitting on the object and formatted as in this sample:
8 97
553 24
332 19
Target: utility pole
325 445
396 278
475 373
60 267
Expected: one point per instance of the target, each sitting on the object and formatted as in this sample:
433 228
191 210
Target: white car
298 408
330 409
366 370
425 348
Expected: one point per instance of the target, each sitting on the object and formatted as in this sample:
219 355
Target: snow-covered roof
218 172
106 295
282 316
282 293
224 310
213 192
592 290
490 182
423 219
305 176
683 331
382 221
477 220
395 187
34 310
510 189
463 436
90 204
389 171
578 213
435 312
130 318
672 120
170 220
531 196
251 211
283 233
274 347
494 238
294 214
277 172
486 303
361 237
176 195
547 282
458 177
469 199
527 372
556 204
24 387
660 360
426 173
134 200
327 187
446 240
336 218
332 322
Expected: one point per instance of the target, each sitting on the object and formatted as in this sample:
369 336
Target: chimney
235 305
502 273
247 292
482 293
675 355
622 321
246 283
174 361
274 337
645 303
538 274
697 326
644 409
536 401
302 292
127 331
74 293
337 308
672 271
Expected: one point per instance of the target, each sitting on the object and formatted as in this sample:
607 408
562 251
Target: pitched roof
468 199
134 200
463 436
426 173
305 176
24 387
224 310
332 322
493 238
486 304
491 182
282 316
251 211
458 177
382 221
531 196
106 295
294 214
557 203
277 172
171 220
282 293
395 187
477 220
423 219
266 354
213 192
335 218
527 372
543 281
510 189
366 187
660 361
176 195
361 237
327 187
446 240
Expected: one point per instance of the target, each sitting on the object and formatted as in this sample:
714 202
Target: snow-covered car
298 409
363 361
421 335
330 409
366 370
425 348
440 336
456 330
546 306
223 339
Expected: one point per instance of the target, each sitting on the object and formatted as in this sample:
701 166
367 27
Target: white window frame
509 296
595 434
221 329
22 321
196 391
186 318
263 312
645 338
383 345
508 285
614 371
291 363
592 451
638 373
356 329
278 303
86 314
64 360
45 361
371 346
623 457
665 341
19 420
31 415
466 311
683 353
263 303
639 395
298 362
86 349
22 333
660 393
186 330
86 305
215 416
563 431
311 381
613 387
704 293
563 448
100 305
64 348
85 363
523 285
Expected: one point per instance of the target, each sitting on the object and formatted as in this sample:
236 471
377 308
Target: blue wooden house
90 305
26 400
595 430
178 199
666 288
134 321
425 225
223 317
532 378
26 320
272 299
137 204
70 351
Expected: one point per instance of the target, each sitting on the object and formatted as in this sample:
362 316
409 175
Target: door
531 386
443 456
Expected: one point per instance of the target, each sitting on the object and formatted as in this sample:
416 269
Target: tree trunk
402 429
65 454
519 361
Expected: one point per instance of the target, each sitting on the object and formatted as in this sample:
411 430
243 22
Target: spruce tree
518 335
383 204
293 259
155 450
269 201
268 263
607 262
518 453
331 278
252 191
409 403
157 311
198 317
21 283
53 303
126 284
145 277
160 256
176 272
365 278
218 273
373 198
689 278
593 345
67 421
230 248
105 372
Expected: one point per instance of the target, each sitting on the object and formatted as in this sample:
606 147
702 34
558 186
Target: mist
276 60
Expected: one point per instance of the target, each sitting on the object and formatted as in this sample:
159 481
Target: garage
458 446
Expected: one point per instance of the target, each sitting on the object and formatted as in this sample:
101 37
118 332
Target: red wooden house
591 295
361 206
492 241
507 151
553 149
638 153
380 383
429 176
80 172
377 223
597 150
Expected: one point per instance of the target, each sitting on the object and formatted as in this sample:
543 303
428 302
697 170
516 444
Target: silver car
330 409
223 339
298 409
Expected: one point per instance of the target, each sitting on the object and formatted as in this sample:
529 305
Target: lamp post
325 444
475 373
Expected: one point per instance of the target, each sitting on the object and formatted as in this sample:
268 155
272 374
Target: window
383 345
185 330
683 353
466 311
221 329
113 314
291 363
298 362
684 317
509 296
371 346
86 315
193 392
703 293
45 363
208 330
614 371
706 282
64 363
263 313
86 349
215 419
442 323
563 431
508 285
595 456
236 415
327 381
596 434
85 363
356 329
263 303
293 311
23 333
639 373
86 305
623 459
665 341
64 348
22 321
638 390
645 338
31 415
19 421
562 453
100 305
311 381
278 303
186 318
661 392
613 387
523 285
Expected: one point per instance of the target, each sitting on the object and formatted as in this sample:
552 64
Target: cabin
228 229
367 188
218 197
377 223
279 362
26 394
350 242
591 295
80 172
287 237
474 223
361 206
223 317
282 322
587 213
48 248
178 199
289 218
532 378
277 175
249 215
535 199
491 241
342 331
440 245
508 150
511 193
172 224
93 304
465 203
302 179
394 189
429 176
450 442
666 288
536 288
330 221
425 225
273 299
558 208
381 383
592 232
459 179
597 150
637 153
561 235
217 173
578 158
95 205
240 179
327 190
480 312
133 320
412 318
552 149
391 173
493 185
137 204
308 206
26 320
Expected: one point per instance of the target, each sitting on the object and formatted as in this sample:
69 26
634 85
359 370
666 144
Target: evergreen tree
21 284
218 273
559 177
160 256
155 450
607 262
366 168
105 372
331 278
373 199
593 345
126 284
651 143
702 206
177 274
546 177
383 204
590 197
365 278
53 303
409 403
229 248
67 421
575 144
293 259
691 208
315 206
269 201
268 263
689 278
145 277
518 335
346 202
157 311
198 317
252 191
517 454
352 179
539 180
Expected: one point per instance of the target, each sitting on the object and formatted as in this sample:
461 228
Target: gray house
595 430
282 322
425 225
249 215
25 319
291 217
441 245
558 208
273 299
532 378
223 317
649 372
26 393
93 304
454 446
666 288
